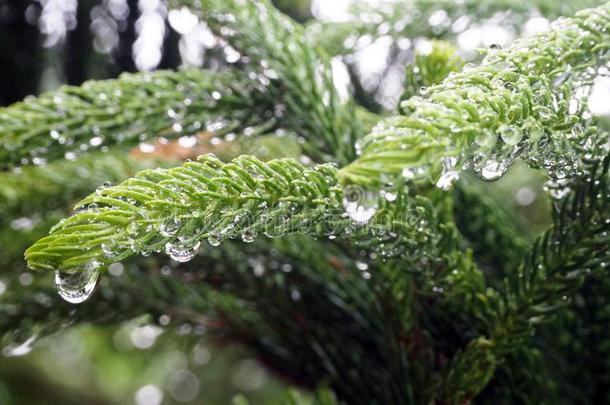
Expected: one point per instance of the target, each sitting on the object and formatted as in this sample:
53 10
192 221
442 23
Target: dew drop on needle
76 286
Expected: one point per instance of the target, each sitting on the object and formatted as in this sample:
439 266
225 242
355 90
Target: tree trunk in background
171 51
123 57
77 51
20 56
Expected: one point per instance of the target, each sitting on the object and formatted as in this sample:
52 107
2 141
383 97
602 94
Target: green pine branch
554 269
560 260
519 102
126 111
174 209
430 68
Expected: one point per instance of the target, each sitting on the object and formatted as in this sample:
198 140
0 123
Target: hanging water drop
214 240
491 169
248 236
359 204
180 252
170 227
449 174
75 286
109 250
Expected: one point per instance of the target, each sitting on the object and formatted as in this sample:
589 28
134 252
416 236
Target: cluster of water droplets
181 247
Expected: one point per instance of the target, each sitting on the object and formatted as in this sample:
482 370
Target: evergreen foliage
374 269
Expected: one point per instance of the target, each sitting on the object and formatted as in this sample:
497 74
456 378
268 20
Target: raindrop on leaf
180 252
170 227
75 286
214 240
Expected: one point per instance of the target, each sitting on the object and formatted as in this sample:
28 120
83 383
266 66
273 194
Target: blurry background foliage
47 43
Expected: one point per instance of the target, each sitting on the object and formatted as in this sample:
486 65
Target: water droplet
214 240
132 228
359 204
170 227
295 294
108 249
409 173
75 286
449 174
180 252
248 236
96 141
358 147
362 266
147 147
491 169
389 195
216 125
116 269
485 138
510 135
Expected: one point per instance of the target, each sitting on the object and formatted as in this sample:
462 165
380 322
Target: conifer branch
559 261
174 209
430 68
126 111
281 53
555 268
517 103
